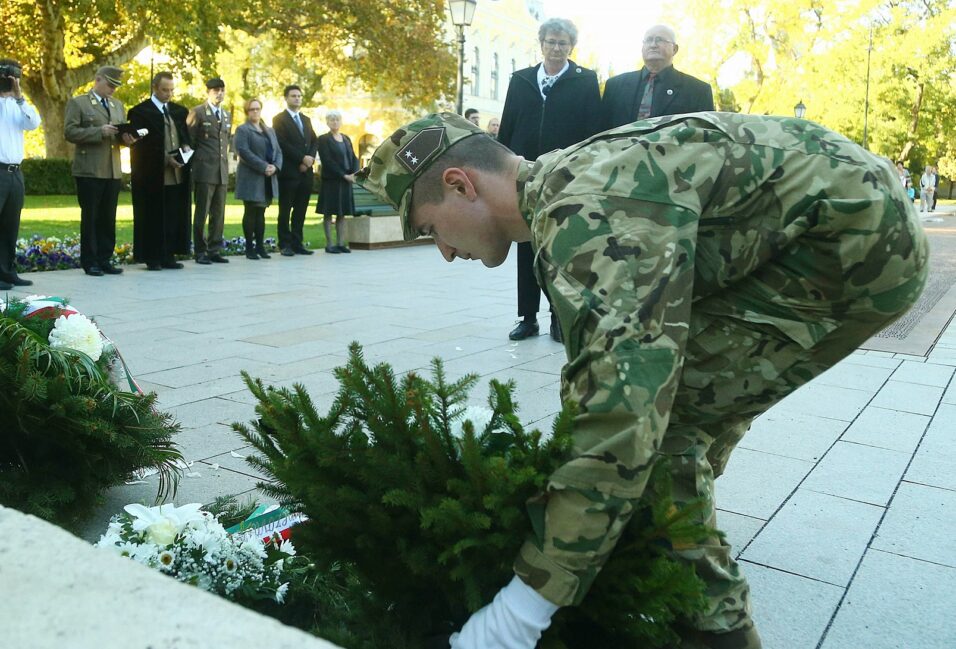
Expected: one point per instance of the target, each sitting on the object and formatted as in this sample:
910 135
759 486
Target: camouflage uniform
703 267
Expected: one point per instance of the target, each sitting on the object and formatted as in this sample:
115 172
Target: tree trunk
914 123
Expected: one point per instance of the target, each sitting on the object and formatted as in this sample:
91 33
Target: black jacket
332 168
531 126
674 93
294 145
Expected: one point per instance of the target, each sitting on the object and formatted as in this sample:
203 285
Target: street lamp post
866 100
799 110
462 13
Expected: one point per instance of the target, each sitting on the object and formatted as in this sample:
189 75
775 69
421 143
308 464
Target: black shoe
154 267
19 281
218 259
302 251
203 259
263 254
287 252
251 254
110 269
556 334
172 265
332 250
525 329
5 286
94 271
343 249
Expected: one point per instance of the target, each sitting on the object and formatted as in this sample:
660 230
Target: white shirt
14 120
542 74
160 105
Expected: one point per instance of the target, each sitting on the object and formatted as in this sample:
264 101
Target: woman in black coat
339 165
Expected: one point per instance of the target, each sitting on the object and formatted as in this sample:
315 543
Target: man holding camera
16 116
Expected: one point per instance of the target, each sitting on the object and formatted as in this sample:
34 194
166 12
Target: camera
9 70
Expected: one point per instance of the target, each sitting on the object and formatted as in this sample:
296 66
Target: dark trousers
211 202
294 195
254 225
174 197
11 204
529 293
97 198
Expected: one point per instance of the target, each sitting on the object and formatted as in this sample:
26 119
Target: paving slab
793 434
858 472
739 529
924 373
908 397
756 484
921 524
890 429
933 462
827 401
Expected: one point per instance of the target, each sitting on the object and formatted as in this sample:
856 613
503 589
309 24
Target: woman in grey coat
256 182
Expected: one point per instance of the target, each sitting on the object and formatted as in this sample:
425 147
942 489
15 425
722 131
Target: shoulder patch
420 148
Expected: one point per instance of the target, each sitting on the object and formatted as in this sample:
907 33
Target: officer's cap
215 82
406 154
111 74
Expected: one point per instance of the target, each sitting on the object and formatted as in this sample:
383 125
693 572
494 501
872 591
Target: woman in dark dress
339 165
256 182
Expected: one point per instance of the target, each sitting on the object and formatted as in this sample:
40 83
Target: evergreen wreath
415 514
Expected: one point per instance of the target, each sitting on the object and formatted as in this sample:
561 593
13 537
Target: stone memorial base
372 232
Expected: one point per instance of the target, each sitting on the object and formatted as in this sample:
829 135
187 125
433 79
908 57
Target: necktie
166 112
547 83
218 117
298 123
644 110
105 105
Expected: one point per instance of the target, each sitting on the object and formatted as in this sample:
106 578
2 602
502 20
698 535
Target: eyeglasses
556 45
657 40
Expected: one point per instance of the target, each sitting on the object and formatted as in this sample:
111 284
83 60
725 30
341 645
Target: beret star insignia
420 148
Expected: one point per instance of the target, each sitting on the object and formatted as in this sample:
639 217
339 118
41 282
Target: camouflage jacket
633 228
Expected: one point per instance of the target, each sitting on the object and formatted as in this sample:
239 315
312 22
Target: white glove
515 619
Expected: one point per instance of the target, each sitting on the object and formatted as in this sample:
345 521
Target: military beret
111 74
215 82
406 154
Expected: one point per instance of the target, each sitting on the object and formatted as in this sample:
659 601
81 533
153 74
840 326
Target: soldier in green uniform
703 267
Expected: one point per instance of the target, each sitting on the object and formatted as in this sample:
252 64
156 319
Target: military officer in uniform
209 128
90 125
702 267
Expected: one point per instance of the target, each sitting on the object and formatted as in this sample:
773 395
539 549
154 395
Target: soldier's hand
515 619
109 130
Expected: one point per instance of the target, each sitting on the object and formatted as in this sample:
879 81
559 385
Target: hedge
48 176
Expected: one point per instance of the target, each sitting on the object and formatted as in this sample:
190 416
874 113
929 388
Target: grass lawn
59 216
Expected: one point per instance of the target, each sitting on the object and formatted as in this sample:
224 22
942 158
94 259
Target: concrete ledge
65 594
371 232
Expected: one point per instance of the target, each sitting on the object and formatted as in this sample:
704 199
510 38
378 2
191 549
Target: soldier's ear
457 181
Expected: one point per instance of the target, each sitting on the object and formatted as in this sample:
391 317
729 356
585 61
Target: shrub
48 176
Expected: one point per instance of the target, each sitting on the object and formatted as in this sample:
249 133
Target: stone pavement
840 502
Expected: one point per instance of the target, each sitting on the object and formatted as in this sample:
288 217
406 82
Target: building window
476 74
494 78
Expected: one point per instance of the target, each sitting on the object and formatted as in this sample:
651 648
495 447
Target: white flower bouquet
192 546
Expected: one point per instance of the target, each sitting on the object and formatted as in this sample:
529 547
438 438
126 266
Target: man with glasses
90 125
549 106
657 89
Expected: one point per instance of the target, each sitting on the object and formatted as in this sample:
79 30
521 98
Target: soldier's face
216 95
103 88
463 227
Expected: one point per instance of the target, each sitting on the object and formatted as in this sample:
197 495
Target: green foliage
48 176
415 516
68 433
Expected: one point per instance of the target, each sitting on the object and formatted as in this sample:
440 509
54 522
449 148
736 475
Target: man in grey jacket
209 128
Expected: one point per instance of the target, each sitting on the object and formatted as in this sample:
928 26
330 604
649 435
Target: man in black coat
657 88
160 179
549 106
299 146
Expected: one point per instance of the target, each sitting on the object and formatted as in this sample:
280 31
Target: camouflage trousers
733 371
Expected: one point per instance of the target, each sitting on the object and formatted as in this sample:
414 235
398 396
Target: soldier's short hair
556 26
481 152
159 77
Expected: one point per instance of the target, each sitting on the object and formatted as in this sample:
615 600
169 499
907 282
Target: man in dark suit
549 106
299 146
656 89
209 131
159 178
90 125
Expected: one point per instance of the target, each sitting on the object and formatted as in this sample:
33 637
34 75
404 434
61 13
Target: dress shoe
287 252
94 271
556 334
153 267
172 265
218 259
251 254
203 259
525 329
5 286
343 249
19 281
332 250
262 253
302 251
110 269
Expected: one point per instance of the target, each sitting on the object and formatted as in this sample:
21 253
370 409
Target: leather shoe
94 271
153 267
218 259
302 251
5 286
263 254
287 252
556 334
343 249
251 254
203 259
19 281
172 265
332 250
110 269
525 329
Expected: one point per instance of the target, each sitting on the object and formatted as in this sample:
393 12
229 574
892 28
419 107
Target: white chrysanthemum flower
166 560
280 593
162 524
77 332
479 416
287 547
230 565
